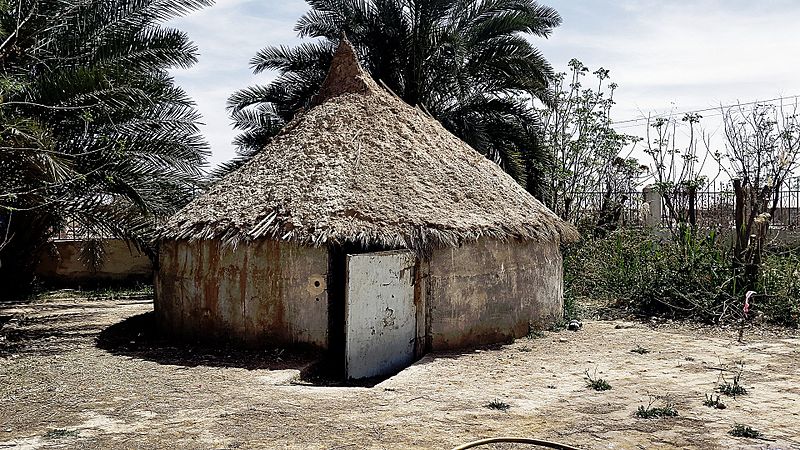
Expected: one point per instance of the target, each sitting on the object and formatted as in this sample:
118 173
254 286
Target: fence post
653 200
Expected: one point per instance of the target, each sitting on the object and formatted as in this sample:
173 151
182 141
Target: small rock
562 339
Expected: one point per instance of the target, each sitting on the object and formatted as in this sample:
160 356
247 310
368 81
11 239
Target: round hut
363 227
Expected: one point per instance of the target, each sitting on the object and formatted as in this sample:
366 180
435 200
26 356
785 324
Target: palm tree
94 130
468 62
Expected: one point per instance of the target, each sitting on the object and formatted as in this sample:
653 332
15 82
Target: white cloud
692 54
228 34
664 55
680 56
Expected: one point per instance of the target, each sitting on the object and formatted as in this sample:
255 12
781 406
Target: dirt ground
61 387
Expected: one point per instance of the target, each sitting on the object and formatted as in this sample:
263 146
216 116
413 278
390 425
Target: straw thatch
362 166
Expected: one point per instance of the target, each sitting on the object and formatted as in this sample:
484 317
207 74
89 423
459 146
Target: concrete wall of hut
261 294
489 291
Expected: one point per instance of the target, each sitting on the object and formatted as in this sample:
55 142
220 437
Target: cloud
694 54
680 56
228 35
664 55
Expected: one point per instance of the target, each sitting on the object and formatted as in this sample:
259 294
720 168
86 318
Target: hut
364 228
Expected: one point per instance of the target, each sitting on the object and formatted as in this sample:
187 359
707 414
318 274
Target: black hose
516 440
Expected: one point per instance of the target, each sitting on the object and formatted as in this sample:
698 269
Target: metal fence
714 207
588 207
74 231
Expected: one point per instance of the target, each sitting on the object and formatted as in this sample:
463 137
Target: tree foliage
762 151
470 63
94 129
677 168
584 150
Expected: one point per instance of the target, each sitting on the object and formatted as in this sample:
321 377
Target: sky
675 56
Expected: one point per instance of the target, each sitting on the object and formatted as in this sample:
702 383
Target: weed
498 405
571 308
689 358
735 388
534 332
120 292
59 433
525 348
745 431
598 384
640 350
99 292
686 276
559 325
732 390
713 402
656 412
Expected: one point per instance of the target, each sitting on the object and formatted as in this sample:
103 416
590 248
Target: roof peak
345 76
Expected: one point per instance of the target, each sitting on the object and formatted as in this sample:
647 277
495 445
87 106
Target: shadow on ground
138 337
44 335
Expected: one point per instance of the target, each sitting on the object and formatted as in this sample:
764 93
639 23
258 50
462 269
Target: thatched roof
363 166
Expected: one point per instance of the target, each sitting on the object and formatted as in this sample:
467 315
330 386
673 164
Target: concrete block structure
60 264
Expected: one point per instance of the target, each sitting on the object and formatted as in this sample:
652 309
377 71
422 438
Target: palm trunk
26 234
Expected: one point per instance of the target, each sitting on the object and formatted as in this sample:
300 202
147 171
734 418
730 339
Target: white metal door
380 317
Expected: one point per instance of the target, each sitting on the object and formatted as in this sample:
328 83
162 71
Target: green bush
780 281
689 276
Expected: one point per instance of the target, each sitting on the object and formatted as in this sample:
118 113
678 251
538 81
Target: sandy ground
59 389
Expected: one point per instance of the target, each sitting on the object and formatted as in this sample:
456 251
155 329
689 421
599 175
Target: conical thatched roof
363 166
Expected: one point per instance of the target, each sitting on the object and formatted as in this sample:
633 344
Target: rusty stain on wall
489 291
252 294
275 293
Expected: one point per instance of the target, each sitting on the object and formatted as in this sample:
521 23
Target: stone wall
275 293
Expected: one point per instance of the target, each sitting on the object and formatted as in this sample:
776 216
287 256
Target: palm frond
470 62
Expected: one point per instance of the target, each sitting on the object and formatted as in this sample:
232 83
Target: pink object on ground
747 296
